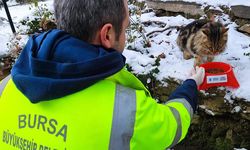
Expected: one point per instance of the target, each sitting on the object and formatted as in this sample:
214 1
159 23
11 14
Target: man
69 89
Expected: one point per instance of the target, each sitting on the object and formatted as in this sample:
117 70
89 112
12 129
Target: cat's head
215 37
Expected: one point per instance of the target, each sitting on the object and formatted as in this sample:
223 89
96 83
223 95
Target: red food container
225 77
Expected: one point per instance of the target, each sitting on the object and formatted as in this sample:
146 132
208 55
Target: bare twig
156 22
140 32
162 30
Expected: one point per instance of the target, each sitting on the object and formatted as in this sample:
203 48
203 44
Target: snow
218 2
236 109
207 111
175 66
5 33
18 13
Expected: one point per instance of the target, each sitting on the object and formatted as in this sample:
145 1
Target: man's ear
107 36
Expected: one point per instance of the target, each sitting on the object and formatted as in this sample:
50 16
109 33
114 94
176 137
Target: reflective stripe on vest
4 83
178 119
179 127
186 104
123 118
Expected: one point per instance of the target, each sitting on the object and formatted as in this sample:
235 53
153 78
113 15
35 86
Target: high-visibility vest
116 113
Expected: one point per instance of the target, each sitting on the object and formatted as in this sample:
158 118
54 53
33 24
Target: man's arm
188 91
160 126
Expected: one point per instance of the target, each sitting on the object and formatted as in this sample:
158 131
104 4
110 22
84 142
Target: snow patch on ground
18 12
218 2
175 66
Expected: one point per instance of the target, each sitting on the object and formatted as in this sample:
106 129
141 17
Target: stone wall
176 6
217 124
240 14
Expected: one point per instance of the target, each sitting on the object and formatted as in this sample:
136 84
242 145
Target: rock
241 11
245 28
245 116
242 22
229 135
219 130
176 6
196 119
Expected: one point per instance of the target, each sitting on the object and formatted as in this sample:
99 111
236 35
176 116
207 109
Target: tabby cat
202 39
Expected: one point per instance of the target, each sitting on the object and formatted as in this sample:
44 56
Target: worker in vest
69 89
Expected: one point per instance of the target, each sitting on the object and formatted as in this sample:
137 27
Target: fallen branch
163 30
156 22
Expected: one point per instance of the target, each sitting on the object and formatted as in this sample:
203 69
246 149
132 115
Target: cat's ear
212 18
205 31
224 30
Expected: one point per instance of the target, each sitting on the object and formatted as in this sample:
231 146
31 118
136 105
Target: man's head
100 22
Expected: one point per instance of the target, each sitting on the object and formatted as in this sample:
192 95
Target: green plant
136 30
28 1
42 19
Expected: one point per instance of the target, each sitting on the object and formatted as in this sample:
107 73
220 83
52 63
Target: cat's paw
197 61
187 55
210 58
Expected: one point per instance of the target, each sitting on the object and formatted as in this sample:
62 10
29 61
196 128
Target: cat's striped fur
202 39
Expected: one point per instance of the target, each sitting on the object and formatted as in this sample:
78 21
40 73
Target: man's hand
198 75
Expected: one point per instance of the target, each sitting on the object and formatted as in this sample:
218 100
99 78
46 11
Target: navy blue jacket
55 64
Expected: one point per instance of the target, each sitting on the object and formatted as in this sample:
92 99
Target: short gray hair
83 18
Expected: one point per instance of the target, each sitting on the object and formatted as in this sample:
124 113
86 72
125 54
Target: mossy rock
223 144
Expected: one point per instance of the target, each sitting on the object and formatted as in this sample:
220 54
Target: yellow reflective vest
116 113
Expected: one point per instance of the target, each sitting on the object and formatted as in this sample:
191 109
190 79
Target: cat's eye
184 33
